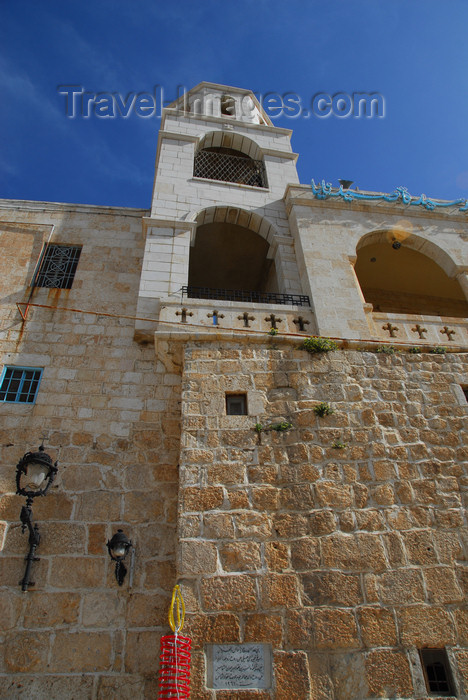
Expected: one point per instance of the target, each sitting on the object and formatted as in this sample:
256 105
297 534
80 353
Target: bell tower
218 228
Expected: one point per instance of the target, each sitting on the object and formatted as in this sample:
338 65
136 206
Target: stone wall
110 414
346 560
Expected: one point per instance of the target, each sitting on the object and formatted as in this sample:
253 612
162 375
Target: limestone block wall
347 561
109 412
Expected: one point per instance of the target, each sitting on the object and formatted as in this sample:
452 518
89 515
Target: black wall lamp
35 473
119 546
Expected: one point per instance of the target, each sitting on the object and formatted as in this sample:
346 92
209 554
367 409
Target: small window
20 384
437 672
465 391
57 266
236 404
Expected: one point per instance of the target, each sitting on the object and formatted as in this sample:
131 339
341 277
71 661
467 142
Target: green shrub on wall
315 345
323 409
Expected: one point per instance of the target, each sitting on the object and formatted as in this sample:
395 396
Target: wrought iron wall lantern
35 473
119 546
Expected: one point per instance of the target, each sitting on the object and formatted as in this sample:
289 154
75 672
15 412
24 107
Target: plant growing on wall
386 349
279 427
438 350
323 409
315 345
273 331
338 445
415 350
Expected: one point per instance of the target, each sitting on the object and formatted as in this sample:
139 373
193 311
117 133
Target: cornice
238 123
379 202
153 222
38 206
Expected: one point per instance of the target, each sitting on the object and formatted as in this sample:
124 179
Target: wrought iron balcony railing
227 168
244 295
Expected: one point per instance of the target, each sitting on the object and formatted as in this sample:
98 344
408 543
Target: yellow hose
177 605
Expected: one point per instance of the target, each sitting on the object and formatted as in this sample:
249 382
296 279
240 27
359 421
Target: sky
412 53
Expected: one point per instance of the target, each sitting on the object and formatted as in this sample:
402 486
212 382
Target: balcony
223 318
241 295
242 170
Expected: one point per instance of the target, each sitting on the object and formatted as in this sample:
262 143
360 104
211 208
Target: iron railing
244 295
227 168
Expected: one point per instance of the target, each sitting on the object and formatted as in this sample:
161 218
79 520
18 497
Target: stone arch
232 141
232 248
401 272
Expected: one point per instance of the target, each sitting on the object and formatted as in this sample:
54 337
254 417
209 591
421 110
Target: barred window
20 384
219 164
437 672
236 404
57 267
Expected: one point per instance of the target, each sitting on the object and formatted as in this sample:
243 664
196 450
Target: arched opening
229 257
396 278
230 158
228 106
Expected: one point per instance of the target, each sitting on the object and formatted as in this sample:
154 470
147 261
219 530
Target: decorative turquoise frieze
400 194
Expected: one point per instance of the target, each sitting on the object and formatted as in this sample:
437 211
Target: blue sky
413 52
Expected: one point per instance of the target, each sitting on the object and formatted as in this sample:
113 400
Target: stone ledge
195 333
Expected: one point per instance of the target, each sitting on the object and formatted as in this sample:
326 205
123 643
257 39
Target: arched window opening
399 279
228 259
230 158
228 106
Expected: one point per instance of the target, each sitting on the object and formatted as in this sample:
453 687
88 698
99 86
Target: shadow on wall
396 278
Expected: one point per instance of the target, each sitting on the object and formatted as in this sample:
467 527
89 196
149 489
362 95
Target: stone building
158 354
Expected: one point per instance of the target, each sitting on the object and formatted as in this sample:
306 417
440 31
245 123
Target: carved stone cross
391 329
420 331
215 316
301 322
184 313
272 320
448 332
246 318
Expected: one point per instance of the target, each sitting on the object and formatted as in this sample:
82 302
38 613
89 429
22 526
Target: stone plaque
238 666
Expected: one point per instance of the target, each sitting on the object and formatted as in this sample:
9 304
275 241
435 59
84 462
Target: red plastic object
174 676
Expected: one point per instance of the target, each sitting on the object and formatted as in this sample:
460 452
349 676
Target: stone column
462 278
324 253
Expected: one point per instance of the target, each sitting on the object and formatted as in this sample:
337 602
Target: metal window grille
228 168
437 671
245 295
436 677
236 404
20 384
57 267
